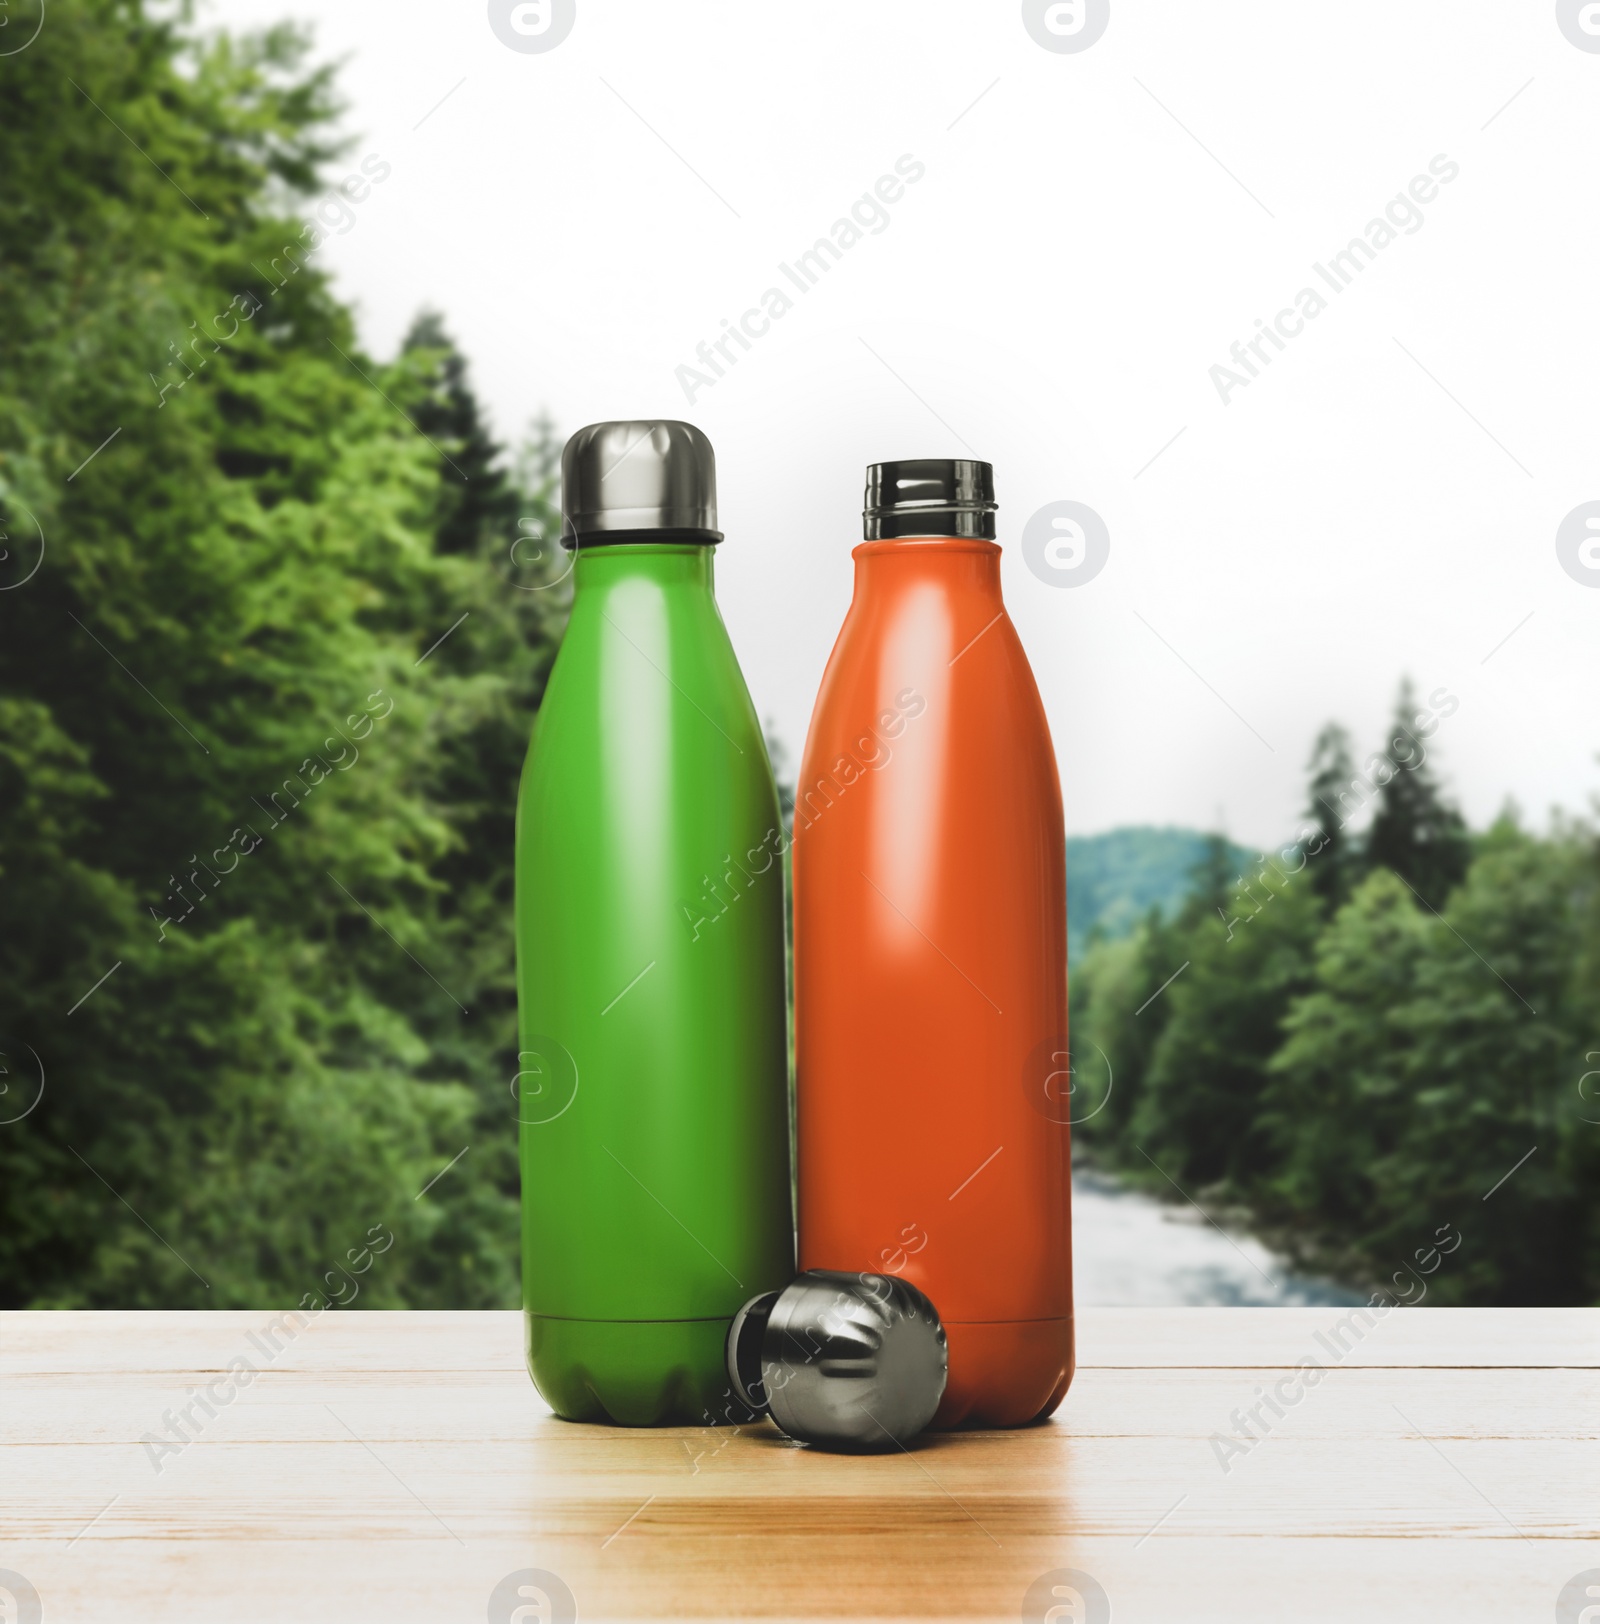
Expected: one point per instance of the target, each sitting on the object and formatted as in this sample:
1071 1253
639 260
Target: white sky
1055 290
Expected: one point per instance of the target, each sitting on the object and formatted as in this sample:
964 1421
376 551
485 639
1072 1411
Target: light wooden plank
1179 1338
1527 1338
395 1466
337 1340
110 1407
926 1574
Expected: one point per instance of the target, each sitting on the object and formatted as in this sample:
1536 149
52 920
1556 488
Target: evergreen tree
1415 833
1330 855
1428 1060
477 496
512 608
1117 1015
254 813
1338 1101
1197 1115
1214 879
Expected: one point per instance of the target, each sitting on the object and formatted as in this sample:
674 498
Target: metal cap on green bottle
846 1361
638 481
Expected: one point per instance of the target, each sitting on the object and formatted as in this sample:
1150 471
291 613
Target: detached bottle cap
855 1361
638 481
938 496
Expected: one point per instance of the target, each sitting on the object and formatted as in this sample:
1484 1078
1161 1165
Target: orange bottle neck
961 565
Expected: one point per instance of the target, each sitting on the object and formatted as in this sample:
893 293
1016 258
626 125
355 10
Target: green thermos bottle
652 1087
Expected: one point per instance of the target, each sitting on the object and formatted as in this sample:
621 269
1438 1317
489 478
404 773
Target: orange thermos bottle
931 952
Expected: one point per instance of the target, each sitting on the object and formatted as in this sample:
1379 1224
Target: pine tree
1415 833
1329 853
1213 880
497 518
477 494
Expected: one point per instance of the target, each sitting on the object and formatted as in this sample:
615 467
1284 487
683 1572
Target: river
1131 1250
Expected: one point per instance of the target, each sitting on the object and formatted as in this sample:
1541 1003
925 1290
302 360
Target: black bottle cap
845 1361
934 496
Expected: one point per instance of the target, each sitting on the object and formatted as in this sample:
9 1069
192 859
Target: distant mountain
1114 879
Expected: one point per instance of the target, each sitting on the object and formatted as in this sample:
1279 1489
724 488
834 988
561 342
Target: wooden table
399 1466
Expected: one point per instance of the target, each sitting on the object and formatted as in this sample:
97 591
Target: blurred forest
263 703
276 617
1387 1026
